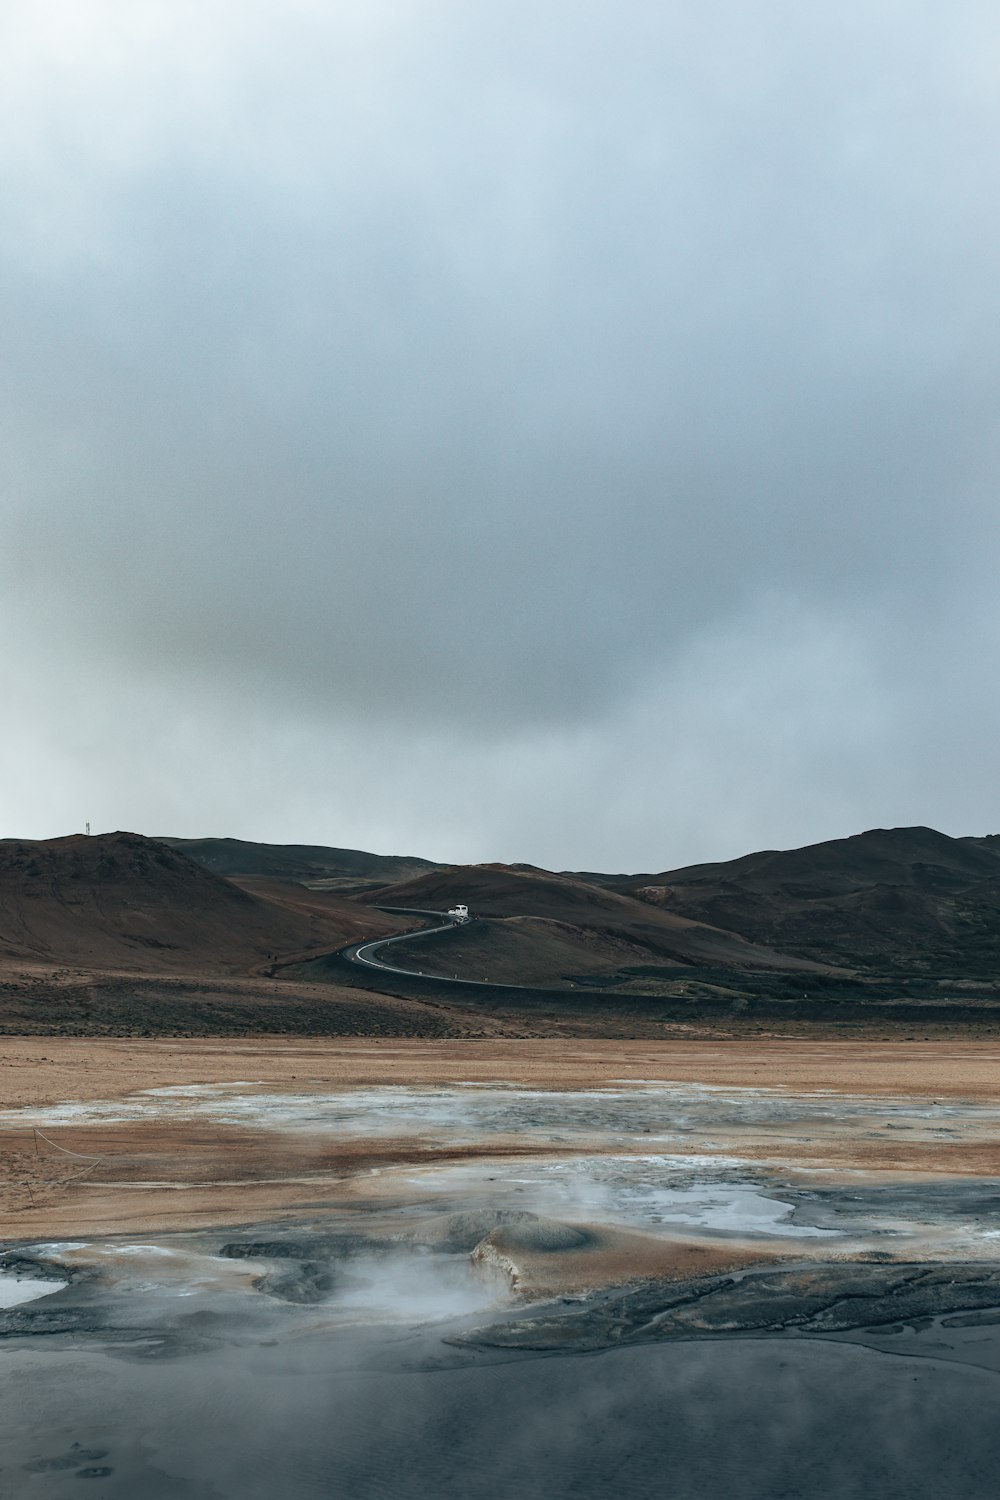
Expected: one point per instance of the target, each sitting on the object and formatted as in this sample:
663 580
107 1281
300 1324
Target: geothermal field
274 1268
499 837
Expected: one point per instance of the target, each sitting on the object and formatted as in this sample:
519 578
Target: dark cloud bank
564 436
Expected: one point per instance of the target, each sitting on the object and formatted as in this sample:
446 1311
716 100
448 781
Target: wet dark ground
870 1380
370 1416
370 1351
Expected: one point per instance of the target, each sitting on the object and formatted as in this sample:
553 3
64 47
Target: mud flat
459 1269
193 1379
42 1070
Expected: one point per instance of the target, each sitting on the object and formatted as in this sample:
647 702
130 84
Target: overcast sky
559 432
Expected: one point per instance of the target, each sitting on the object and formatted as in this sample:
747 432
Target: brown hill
585 910
122 902
920 857
521 950
888 900
313 865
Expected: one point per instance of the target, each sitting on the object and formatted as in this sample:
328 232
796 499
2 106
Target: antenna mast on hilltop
88 827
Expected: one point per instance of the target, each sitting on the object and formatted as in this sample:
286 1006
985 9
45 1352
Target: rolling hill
122 933
890 900
586 916
120 901
313 865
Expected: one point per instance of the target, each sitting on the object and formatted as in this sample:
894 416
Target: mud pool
637 1290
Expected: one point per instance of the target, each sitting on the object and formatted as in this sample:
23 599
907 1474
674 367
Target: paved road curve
364 953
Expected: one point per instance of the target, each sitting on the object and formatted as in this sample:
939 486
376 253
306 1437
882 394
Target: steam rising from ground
661 1159
672 1163
306 1356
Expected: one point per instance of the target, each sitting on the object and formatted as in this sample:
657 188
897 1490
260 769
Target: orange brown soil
965 1158
124 903
161 1174
44 1070
620 1255
157 1175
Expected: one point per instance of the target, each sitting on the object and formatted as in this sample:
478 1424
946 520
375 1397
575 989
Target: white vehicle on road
459 913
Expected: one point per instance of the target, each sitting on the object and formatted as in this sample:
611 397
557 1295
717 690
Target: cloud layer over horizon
495 433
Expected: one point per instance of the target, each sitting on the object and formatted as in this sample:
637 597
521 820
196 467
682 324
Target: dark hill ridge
888 900
888 913
308 864
881 856
989 841
121 901
511 892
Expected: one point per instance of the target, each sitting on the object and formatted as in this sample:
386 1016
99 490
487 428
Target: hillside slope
521 950
889 900
123 902
584 910
308 864
881 856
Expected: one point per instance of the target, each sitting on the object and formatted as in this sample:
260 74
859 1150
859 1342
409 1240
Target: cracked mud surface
820 1300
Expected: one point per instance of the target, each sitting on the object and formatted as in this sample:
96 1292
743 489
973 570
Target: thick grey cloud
565 435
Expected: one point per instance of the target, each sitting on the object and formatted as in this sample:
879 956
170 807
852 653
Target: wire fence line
83 1155
94 1163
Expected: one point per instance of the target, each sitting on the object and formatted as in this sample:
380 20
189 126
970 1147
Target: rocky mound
508 1229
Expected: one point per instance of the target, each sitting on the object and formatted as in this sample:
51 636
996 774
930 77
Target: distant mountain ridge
886 900
887 907
897 904
314 865
907 856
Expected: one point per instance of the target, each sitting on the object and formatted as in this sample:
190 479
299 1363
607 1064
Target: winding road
363 953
